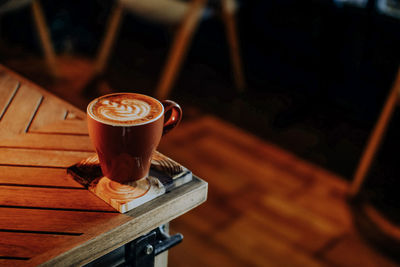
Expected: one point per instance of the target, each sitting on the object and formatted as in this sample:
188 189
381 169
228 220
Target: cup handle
172 115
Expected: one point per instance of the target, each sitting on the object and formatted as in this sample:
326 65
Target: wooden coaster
165 175
124 197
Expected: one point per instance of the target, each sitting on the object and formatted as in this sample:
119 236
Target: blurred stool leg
109 39
228 17
375 138
44 35
179 47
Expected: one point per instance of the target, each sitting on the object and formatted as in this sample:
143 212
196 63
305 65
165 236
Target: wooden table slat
48 112
72 127
53 198
27 244
12 262
44 158
52 220
19 113
8 88
38 176
50 141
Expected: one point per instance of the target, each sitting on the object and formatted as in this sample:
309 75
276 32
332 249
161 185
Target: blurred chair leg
179 48
228 17
375 138
44 35
109 39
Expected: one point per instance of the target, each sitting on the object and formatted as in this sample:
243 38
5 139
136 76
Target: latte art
125 109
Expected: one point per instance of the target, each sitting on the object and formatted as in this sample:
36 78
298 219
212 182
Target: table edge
196 191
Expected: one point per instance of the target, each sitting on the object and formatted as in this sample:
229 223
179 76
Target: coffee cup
125 129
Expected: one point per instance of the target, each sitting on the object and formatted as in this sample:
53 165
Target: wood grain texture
273 249
36 157
12 262
23 81
266 207
8 87
126 197
49 142
27 245
20 111
296 224
71 127
353 251
332 203
244 164
216 255
58 221
48 112
36 176
50 198
142 219
45 216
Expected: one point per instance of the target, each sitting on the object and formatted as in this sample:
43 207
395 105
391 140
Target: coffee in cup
125 129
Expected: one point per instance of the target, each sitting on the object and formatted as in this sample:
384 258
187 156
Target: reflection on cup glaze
125 110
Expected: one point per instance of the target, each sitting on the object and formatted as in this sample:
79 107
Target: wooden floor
266 207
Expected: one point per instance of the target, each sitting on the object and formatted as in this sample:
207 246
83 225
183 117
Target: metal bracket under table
141 251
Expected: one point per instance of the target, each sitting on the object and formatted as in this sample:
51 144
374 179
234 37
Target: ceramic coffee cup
125 129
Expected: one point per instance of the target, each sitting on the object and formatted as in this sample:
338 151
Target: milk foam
125 110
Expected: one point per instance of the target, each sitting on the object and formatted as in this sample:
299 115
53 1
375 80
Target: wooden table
46 218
